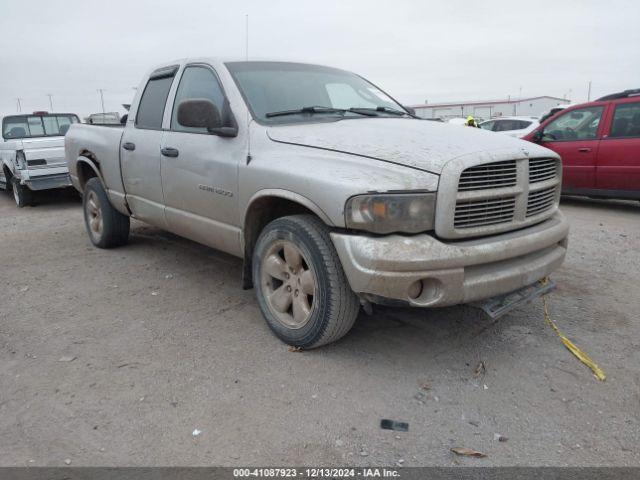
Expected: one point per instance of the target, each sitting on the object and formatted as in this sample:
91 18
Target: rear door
618 166
200 169
575 136
140 150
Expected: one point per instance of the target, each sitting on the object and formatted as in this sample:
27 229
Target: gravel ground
115 357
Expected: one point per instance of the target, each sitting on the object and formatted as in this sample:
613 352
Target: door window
487 125
197 82
151 108
508 125
626 121
35 126
578 124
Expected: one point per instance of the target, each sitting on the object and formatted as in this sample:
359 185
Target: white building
532 106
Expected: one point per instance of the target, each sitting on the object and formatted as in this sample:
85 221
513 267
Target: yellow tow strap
580 355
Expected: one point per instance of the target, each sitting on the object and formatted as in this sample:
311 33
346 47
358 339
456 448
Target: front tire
21 194
106 226
302 290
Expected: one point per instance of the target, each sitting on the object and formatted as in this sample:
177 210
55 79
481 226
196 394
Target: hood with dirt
415 143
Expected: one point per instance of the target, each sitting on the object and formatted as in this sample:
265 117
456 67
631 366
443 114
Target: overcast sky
416 50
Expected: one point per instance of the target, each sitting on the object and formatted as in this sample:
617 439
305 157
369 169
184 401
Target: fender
288 195
92 165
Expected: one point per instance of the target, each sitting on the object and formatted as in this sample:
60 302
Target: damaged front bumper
422 271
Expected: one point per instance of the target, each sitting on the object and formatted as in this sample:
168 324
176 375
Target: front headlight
387 213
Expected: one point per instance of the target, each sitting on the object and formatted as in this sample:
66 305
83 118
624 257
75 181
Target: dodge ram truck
32 153
331 192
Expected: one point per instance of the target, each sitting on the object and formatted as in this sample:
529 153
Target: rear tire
21 194
106 226
302 290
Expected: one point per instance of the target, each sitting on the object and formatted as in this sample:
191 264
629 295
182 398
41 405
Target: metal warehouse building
532 106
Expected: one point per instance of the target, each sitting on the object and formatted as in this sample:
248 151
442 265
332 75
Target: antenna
246 57
19 104
50 101
246 40
589 92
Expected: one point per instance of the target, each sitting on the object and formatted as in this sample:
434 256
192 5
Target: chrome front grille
540 201
474 213
489 175
541 169
496 196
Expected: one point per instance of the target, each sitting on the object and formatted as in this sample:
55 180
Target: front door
200 170
575 136
140 153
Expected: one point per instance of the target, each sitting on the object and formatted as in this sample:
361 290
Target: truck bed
102 142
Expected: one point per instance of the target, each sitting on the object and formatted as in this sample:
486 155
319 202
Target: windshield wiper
390 110
312 110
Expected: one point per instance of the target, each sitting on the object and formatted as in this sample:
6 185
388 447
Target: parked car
108 118
332 193
512 126
552 111
599 143
32 153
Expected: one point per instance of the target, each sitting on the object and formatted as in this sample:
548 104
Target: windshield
277 87
28 126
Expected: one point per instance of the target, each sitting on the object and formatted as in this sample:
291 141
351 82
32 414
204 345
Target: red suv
599 143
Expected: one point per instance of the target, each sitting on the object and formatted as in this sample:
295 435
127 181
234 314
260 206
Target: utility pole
589 92
101 92
19 104
50 102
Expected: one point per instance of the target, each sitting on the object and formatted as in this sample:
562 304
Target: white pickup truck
332 192
32 153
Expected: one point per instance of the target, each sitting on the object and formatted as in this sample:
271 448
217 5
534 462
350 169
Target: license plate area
496 307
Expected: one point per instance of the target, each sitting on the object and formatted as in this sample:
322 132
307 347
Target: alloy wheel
289 284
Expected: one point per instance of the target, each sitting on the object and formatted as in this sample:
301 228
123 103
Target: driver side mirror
203 113
537 137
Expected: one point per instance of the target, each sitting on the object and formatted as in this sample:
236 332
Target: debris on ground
485 387
67 461
467 452
155 294
499 438
294 349
196 432
168 276
25 288
387 424
474 423
67 358
480 369
579 354
425 386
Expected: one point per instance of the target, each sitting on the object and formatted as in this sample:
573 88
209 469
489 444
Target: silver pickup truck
334 195
32 153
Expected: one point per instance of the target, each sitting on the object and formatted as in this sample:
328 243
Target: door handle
170 152
584 150
129 146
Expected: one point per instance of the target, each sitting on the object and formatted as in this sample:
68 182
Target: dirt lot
165 341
